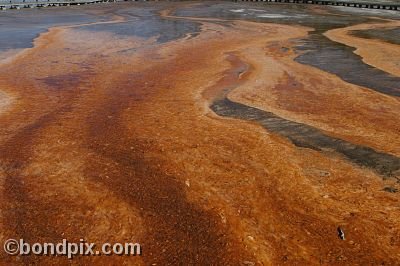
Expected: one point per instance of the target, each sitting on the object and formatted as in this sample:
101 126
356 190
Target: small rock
250 263
223 218
187 183
324 173
340 233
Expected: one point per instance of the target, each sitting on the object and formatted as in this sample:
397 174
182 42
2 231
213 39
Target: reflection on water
164 29
343 62
306 136
19 28
319 51
387 35
143 20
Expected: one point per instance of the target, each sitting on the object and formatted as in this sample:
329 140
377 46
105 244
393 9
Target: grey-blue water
20 27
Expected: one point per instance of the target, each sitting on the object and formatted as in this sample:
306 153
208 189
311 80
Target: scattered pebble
223 218
341 233
324 173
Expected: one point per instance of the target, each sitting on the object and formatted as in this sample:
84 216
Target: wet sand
129 141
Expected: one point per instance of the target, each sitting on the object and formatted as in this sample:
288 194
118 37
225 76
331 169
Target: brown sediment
5 101
105 147
174 227
8 55
41 41
48 201
377 53
247 179
303 135
314 97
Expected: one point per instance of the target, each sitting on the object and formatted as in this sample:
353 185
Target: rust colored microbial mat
208 133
